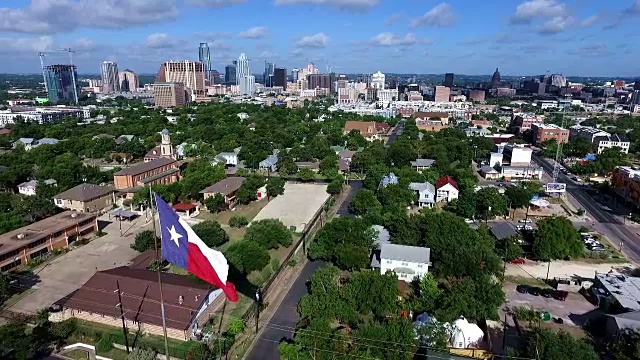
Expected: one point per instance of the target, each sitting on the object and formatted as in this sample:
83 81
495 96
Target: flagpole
159 262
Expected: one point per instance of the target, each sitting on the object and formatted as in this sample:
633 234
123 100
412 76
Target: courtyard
68 272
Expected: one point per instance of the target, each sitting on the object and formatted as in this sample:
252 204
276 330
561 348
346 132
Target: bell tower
166 149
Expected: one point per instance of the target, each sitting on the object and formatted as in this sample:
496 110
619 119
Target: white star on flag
174 235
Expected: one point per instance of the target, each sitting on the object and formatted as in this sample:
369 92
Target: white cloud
215 4
27 45
346 5
55 16
533 9
159 41
556 25
390 39
316 41
440 16
590 21
634 9
267 55
593 50
393 19
257 32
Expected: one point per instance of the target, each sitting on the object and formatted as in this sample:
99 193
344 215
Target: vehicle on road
517 261
526 221
524 227
560 295
522 289
468 221
534 291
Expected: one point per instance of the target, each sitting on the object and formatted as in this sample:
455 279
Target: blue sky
579 37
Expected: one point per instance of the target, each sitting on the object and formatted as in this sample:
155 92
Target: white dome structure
465 334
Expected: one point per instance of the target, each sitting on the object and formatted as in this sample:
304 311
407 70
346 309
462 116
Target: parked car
517 261
560 295
534 291
547 293
522 289
525 221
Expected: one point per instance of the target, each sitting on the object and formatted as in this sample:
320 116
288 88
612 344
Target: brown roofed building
86 198
22 245
432 115
370 130
184 301
227 187
160 171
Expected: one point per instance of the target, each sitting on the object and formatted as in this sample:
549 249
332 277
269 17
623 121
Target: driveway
70 271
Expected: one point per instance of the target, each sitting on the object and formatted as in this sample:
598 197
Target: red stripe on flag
199 265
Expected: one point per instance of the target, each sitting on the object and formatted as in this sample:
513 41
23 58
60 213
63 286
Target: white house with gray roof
422 164
408 262
426 193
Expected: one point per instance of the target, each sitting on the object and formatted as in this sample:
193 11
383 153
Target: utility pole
124 326
258 299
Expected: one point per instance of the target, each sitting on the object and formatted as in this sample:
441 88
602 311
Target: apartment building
160 171
86 198
442 94
22 245
545 132
600 139
521 122
169 94
625 180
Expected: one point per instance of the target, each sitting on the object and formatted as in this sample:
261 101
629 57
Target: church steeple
166 149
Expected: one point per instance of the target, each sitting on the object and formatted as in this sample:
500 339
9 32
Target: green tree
306 174
215 203
510 248
335 187
5 289
626 346
144 241
489 202
275 186
429 293
556 238
211 233
238 221
249 189
329 165
11 221
345 242
141 354
518 196
247 256
269 233
365 202
546 344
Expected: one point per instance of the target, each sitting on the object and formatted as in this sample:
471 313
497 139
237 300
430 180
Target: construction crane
44 77
73 73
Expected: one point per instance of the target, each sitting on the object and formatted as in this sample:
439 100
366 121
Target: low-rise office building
22 245
546 132
86 198
600 140
163 171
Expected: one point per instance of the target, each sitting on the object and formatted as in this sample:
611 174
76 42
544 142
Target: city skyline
575 38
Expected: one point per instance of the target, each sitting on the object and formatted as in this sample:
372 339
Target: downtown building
169 94
204 56
230 73
110 77
246 82
60 83
190 73
129 81
280 78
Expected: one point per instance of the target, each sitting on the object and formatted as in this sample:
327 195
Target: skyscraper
205 58
168 95
110 81
268 74
244 79
295 75
128 81
230 74
189 73
448 80
377 80
442 94
280 78
60 82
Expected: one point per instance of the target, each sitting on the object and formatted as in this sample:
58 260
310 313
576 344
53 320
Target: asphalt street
604 220
282 324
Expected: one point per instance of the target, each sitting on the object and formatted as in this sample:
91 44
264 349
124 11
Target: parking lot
68 272
574 310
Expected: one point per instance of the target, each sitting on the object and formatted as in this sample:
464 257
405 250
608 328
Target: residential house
521 172
270 163
160 171
426 193
407 262
619 324
489 173
243 116
313 166
430 125
227 187
31 143
390 179
29 188
420 165
227 158
125 138
446 189
370 130
186 303
86 198
475 131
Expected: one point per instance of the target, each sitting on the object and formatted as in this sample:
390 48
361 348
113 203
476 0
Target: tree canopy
211 233
556 238
345 242
269 234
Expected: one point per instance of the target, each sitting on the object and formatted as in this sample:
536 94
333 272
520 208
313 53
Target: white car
525 221
468 221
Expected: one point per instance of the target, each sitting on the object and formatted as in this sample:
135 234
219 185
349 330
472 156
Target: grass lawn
526 280
235 234
77 354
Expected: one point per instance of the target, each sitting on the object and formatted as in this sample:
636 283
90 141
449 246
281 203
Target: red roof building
444 180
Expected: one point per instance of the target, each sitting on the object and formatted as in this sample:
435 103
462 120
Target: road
604 220
283 322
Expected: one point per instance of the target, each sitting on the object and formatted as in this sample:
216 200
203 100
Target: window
420 266
388 261
404 264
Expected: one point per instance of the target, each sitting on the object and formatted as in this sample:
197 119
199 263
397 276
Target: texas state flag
181 246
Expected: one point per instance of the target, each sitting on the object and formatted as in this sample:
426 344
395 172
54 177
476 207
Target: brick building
160 171
521 122
545 132
22 245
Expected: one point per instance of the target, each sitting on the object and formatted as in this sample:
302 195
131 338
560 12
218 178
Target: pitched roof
30 183
85 192
366 128
144 167
429 114
423 162
444 180
422 187
503 230
140 296
225 186
414 254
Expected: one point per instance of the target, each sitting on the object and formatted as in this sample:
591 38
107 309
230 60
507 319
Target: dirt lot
563 269
296 206
68 272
